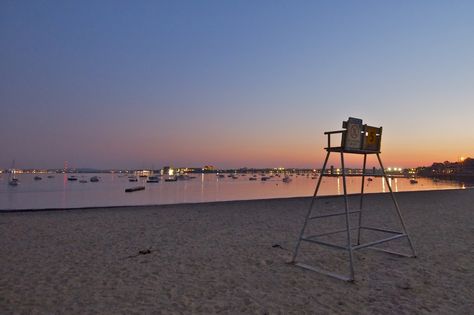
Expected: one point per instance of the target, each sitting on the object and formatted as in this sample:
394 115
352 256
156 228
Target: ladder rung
324 243
329 233
379 241
324 272
391 252
332 214
380 230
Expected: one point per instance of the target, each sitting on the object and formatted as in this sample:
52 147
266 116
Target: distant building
462 169
208 168
184 170
167 170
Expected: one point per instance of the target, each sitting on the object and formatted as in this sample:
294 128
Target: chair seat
341 149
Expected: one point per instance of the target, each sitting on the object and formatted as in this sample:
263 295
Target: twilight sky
125 84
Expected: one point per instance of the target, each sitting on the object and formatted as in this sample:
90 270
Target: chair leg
308 214
348 228
396 206
361 198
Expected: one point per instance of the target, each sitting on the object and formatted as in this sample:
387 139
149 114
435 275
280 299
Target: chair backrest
372 138
359 137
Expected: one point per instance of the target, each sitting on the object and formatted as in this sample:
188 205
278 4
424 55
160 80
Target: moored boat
153 179
185 177
171 179
137 188
12 180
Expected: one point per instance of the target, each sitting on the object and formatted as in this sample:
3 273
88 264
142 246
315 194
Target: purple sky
117 84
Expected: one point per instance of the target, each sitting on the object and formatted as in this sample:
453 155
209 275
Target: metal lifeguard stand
356 139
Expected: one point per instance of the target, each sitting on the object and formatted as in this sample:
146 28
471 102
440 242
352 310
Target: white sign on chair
353 137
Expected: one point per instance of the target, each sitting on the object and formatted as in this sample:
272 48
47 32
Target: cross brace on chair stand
349 248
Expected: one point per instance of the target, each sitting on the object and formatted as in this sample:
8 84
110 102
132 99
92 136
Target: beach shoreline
221 257
213 202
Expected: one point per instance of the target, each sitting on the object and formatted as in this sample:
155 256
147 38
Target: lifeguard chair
356 139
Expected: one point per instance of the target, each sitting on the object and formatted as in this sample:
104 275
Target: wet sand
222 258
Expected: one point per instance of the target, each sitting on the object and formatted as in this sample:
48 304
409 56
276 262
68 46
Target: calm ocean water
58 192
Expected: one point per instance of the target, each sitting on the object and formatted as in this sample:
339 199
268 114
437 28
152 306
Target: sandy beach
223 258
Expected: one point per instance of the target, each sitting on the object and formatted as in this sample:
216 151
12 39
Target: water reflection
58 192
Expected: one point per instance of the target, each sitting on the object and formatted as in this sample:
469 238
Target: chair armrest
333 132
329 133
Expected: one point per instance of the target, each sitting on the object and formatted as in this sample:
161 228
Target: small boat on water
171 179
37 178
72 178
12 180
83 181
220 175
252 178
94 179
184 177
265 178
50 176
153 179
413 181
132 179
369 179
137 188
287 179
